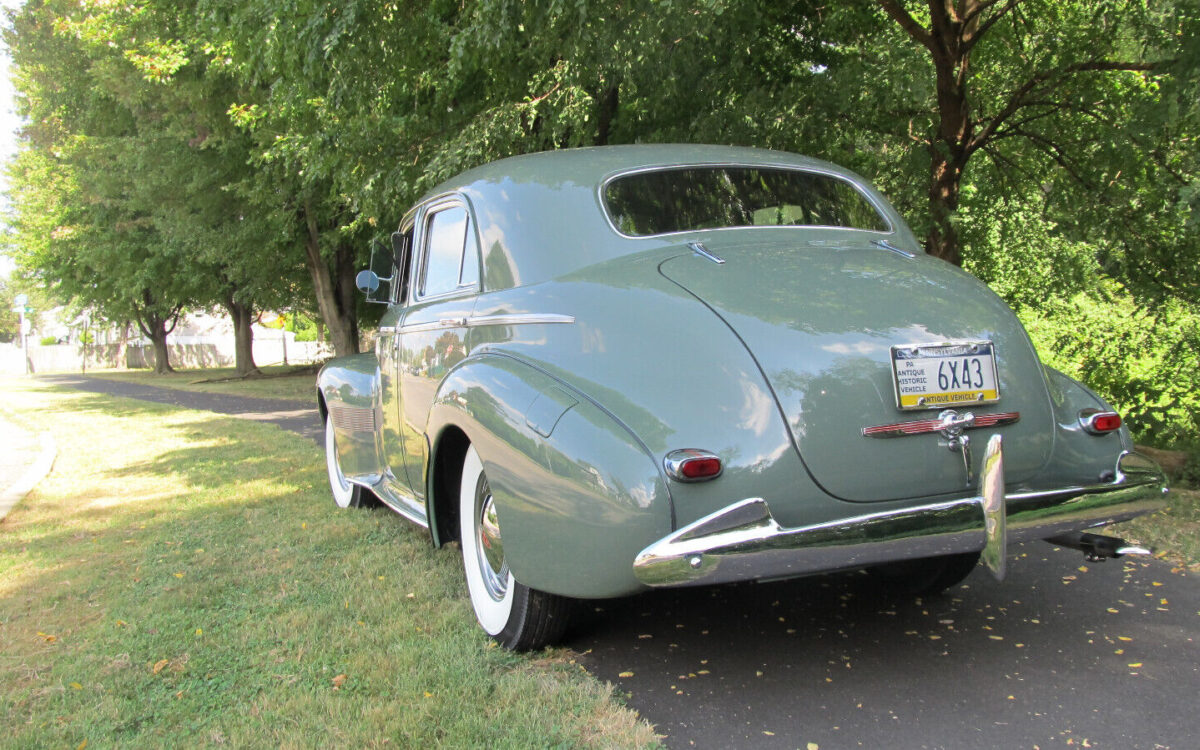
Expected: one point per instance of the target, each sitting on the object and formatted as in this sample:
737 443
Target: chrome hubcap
488 544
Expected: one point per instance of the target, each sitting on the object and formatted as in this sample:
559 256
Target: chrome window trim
891 230
408 223
426 211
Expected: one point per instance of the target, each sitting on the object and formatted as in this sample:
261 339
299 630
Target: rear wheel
930 575
345 493
516 616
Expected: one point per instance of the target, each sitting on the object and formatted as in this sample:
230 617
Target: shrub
1144 360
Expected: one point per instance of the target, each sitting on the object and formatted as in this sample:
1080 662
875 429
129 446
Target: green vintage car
610 369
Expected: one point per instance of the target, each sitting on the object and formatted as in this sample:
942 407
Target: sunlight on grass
1173 533
183 578
293 383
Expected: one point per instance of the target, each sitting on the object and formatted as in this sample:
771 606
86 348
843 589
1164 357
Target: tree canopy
202 153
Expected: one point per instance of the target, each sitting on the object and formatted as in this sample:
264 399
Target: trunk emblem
948 420
950 425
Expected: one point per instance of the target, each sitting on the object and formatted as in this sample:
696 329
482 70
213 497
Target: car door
397 484
432 332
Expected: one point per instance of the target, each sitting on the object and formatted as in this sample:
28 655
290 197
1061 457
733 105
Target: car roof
594 164
540 216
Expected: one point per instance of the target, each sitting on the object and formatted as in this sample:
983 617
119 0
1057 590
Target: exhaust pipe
1097 548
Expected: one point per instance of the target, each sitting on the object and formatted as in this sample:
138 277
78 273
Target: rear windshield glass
680 200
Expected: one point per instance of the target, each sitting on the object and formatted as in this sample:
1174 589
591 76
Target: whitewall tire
516 616
345 493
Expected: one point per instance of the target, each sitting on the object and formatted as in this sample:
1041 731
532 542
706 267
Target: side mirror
376 281
367 282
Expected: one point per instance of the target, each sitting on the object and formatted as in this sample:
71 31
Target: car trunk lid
820 317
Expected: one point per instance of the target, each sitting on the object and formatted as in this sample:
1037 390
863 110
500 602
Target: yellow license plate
956 373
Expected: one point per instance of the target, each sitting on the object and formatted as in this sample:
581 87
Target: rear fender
1079 457
578 495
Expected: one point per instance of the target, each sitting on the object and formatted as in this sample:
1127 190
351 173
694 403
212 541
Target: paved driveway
1061 654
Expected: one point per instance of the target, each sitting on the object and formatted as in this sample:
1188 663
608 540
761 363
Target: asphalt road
1063 653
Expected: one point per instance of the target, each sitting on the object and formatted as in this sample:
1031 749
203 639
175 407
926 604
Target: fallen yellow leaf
158 665
76 685
339 681
625 674
81 745
1135 665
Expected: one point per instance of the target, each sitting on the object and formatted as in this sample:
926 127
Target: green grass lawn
183 579
1173 533
284 382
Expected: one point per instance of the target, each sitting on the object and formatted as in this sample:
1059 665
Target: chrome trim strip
886 245
743 541
517 319
434 325
923 426
402 504
704 252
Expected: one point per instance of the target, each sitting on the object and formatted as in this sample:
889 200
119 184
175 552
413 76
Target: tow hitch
1097 548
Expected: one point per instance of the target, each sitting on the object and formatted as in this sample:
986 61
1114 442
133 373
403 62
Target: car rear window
692 198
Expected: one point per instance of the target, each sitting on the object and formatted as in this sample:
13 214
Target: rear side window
692 198
451 261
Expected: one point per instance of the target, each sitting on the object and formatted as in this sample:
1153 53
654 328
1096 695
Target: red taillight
691 465
1099 422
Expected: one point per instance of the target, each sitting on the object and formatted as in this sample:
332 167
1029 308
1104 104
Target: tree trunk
243 337
162 355
610 102
336 293
155 328
120 358
949 40
945 182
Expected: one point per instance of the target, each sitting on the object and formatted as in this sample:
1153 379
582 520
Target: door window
450 256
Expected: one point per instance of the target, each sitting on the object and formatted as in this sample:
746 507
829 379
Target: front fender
578 495
348 393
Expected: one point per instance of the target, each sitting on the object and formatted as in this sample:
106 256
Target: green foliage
1146 361
210 153
48 341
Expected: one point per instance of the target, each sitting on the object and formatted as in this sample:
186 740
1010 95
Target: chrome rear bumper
743 541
